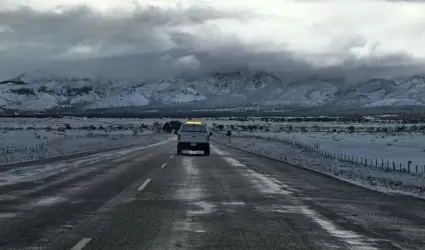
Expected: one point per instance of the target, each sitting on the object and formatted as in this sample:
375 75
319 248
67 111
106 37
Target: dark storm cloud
56 32
152 42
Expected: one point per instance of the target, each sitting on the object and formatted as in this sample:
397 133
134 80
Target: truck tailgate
193 137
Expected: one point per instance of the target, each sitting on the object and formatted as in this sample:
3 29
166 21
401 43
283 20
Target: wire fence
383 164
380 164
41 148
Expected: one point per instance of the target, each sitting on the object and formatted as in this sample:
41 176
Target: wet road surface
150 198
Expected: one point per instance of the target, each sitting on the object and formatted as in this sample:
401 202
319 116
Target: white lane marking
355 241
171 157
163 165
234 162
144 185
218 151
264 183
268 184
81 244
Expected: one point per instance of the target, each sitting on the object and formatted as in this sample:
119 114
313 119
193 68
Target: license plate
193 144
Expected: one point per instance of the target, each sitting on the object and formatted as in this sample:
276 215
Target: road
150 198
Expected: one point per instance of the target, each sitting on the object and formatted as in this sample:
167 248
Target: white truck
193 136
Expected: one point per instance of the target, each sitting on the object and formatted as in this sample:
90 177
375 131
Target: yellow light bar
195 123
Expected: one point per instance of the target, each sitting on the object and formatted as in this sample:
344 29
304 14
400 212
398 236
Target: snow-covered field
373 139
397 147
378 178
74 122
267 124
23 139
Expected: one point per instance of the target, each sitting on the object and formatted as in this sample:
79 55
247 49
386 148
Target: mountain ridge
42 92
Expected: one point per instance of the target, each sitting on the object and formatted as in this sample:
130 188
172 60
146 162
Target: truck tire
207 151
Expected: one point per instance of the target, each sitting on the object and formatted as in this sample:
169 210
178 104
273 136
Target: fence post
400 167
408 165
393 165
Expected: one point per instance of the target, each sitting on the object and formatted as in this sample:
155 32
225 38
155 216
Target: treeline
171 126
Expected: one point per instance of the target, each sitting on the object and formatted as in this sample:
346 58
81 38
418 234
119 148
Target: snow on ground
74 122
320 126
123 100
28 139
19 146
378 178
392 147
273 124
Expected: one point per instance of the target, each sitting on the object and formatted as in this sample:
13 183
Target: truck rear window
193 128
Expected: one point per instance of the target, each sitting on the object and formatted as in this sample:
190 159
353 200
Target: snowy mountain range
38 92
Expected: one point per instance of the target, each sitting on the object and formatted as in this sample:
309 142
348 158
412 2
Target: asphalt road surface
150 198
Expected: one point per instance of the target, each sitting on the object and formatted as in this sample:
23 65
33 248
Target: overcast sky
154 38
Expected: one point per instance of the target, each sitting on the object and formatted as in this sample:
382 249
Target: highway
151 198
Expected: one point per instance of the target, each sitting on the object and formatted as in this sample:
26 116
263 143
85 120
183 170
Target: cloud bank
145 39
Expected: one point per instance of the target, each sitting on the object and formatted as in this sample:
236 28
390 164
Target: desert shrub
167 127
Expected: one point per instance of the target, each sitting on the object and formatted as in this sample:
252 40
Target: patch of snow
232 161
193 190
233 203
267 184
205 208
124 100
354 240
47 201
7 215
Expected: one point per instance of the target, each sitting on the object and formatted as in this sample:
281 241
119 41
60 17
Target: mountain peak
226 89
